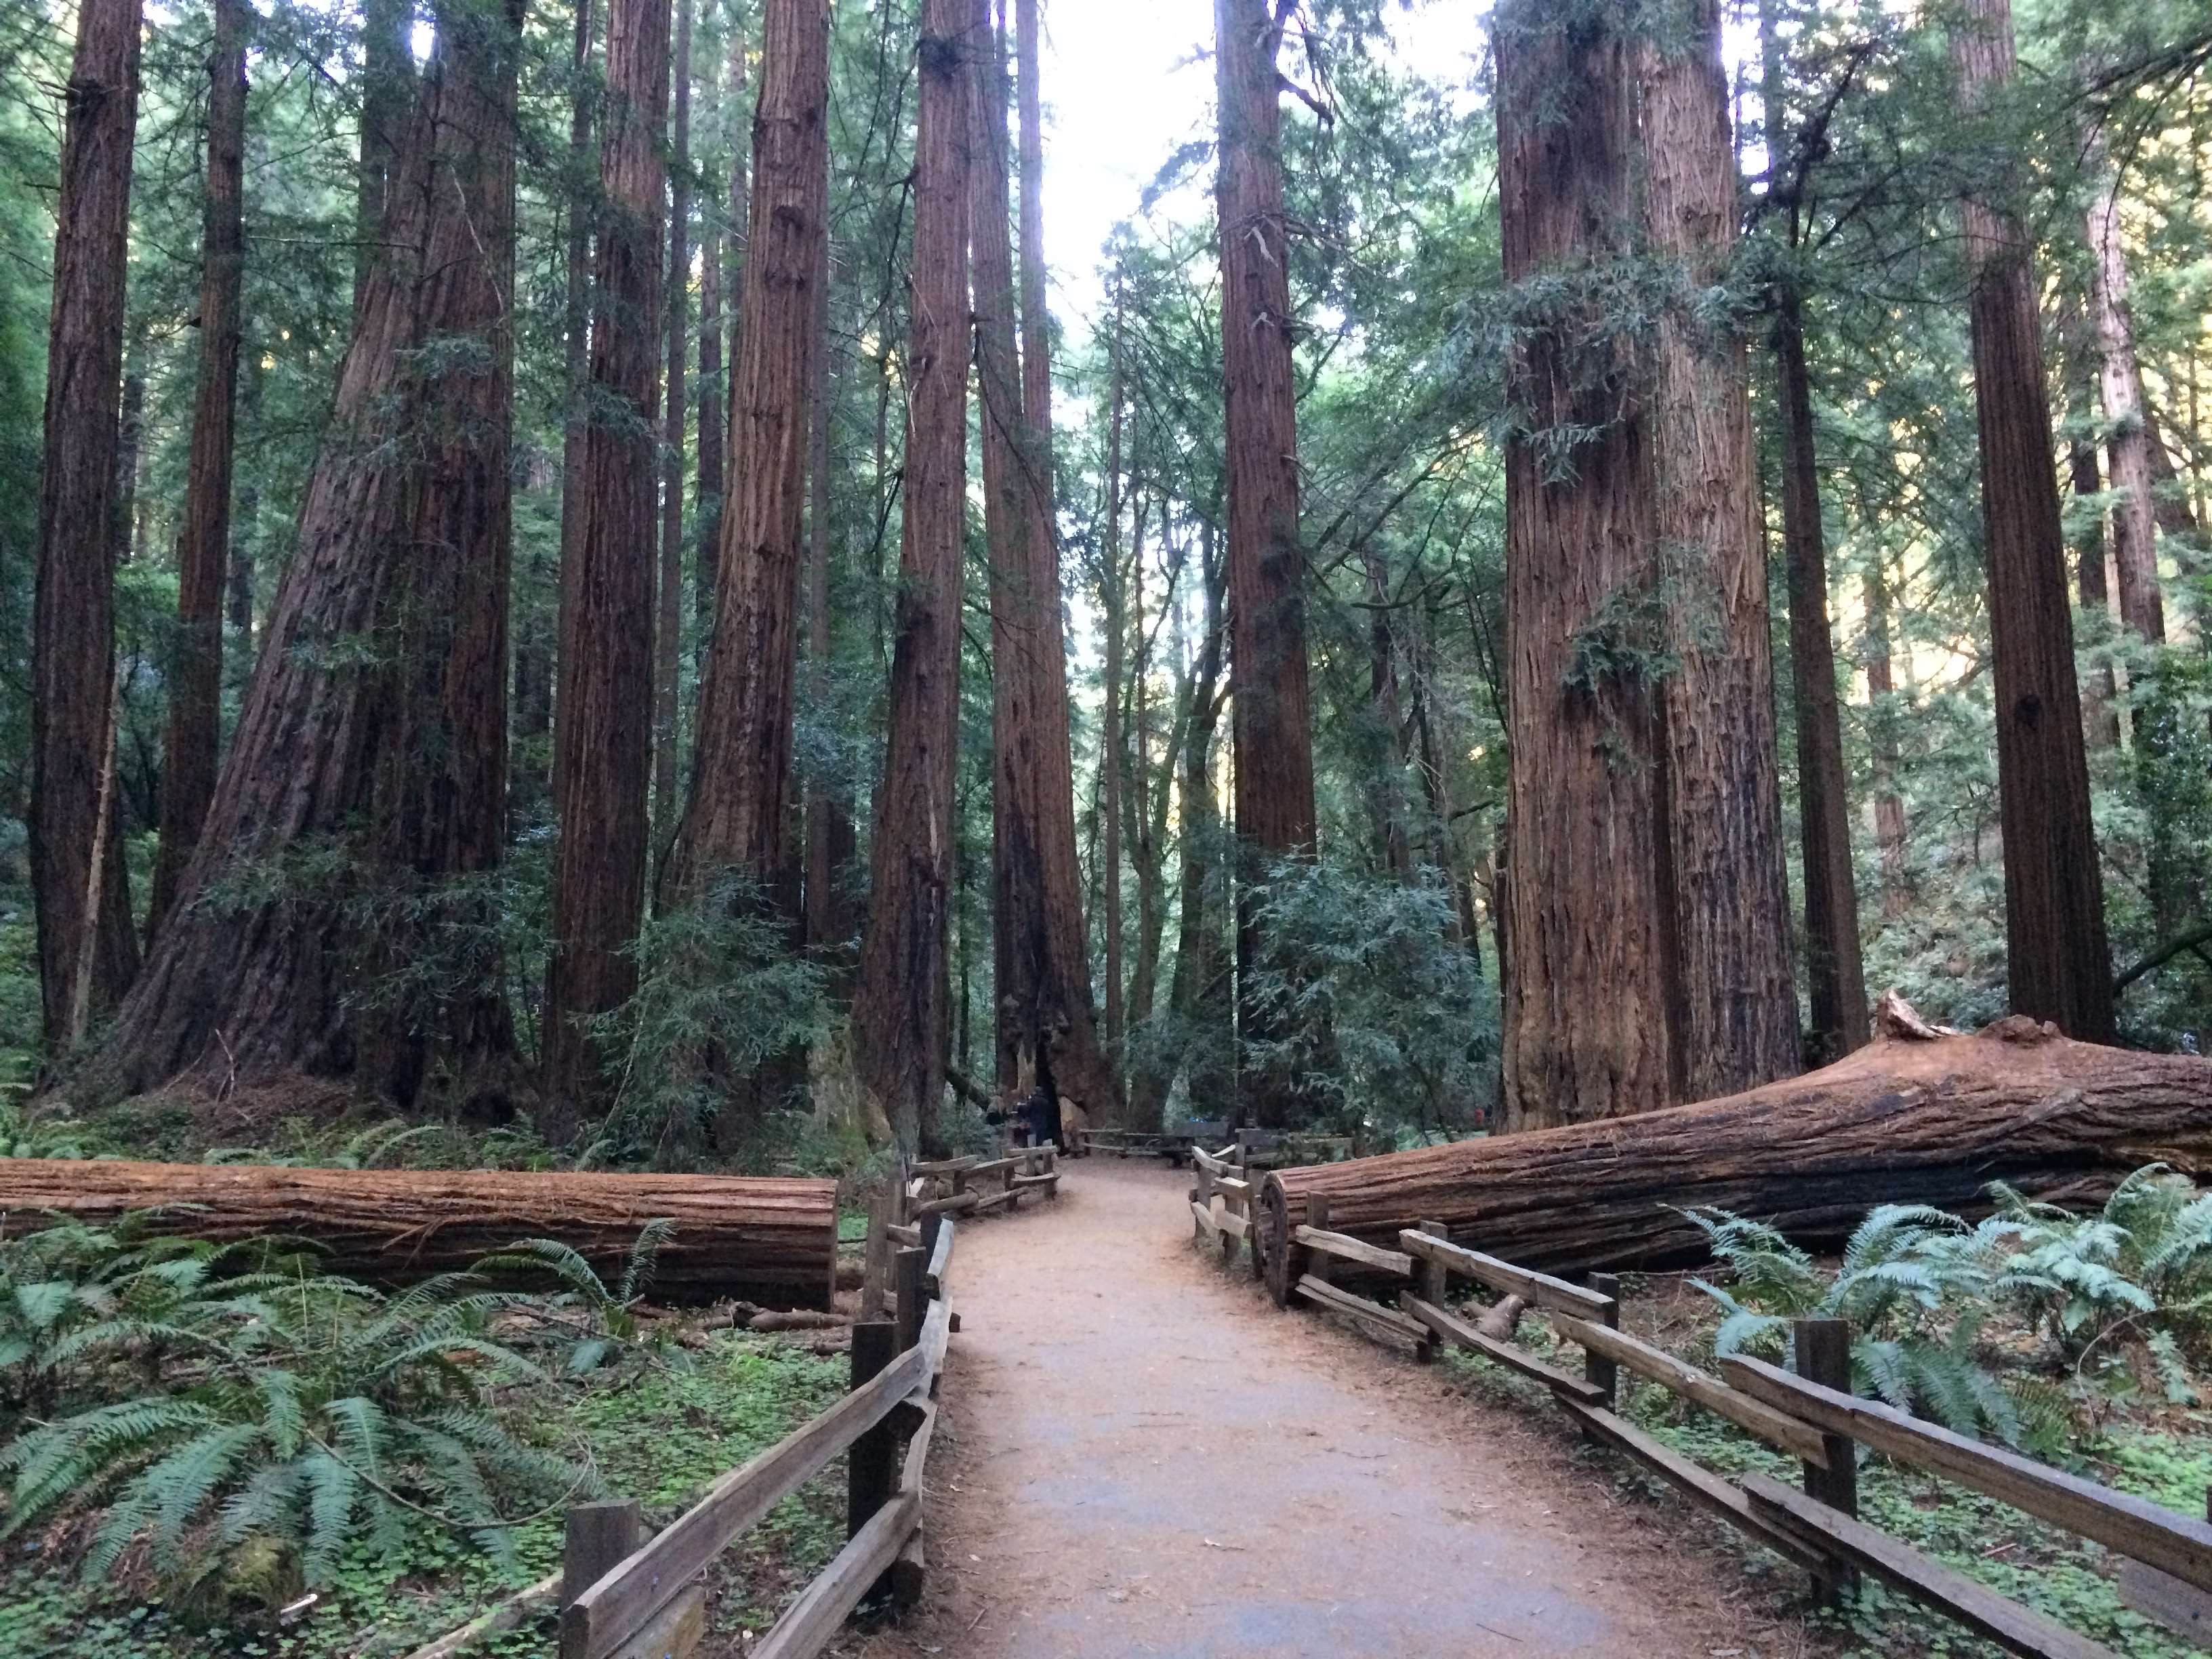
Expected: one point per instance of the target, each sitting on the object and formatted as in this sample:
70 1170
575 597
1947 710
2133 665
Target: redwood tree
901 1036
668 622
1588 1031
87 951
195 679
2057 958
1272 720
1047 1031
602 738
336 899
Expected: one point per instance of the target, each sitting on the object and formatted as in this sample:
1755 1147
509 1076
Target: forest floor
1143 1454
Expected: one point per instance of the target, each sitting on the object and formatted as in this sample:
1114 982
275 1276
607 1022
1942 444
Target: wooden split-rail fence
1809 1412
622 1595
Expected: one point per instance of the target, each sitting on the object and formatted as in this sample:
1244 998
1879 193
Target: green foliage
236 1409
1920 1286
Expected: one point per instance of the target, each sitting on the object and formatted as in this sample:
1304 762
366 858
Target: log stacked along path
774 1241
1921 1116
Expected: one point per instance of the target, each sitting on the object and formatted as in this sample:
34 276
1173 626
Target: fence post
1824 1356
1602 1372
1315 1261
1434 1285
870 1467
932 1225
594 1539
907 1268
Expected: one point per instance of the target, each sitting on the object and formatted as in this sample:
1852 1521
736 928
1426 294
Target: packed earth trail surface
1144 1455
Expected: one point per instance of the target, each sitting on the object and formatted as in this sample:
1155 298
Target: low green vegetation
226 1451
2086 1338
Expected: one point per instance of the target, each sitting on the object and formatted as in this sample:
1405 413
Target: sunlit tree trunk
603 732
1588 1031
2059 962
1273 716
901 1036
195 683
380 965
88 952
2101 712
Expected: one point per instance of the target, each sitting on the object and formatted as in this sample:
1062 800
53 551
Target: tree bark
2100 702
714 410
1832 957
1914 1117
2127 441
1045 1023
1730 893
1272 713
602 738
195 723
1111 741
832 843
536 718
768 1241
668 620
1588 1031
387 87
337 895
2058 959
900 1030
88 952
1888 804
1200 984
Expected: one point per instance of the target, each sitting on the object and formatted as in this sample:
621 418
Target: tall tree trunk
2058 959
388 84
1730 890
1588 1031
127 522
584 97
1833 957
1888 804
339 887
602 738
1110 740
1045 1020
2101 710
88 952
1273 715
830 841
713 412
900 1031
194 725
1198 992
1144 800
668 622
739 818
1393 845
2127 441
733 261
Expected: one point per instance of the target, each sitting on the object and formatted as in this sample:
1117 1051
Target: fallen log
770 1241
1921 1116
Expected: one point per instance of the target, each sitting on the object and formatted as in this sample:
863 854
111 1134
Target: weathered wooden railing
957 1186
623 1596
1809 1412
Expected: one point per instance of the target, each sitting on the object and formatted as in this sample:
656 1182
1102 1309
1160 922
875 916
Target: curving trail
1143 1455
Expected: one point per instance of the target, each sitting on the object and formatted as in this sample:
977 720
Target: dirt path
1143 1455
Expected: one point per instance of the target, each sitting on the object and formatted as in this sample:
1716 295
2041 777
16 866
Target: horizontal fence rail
1404 1296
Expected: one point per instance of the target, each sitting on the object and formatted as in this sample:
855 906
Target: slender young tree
830 839
1727 883
739 816
1047 1030
1588 1030
668 623
204 548
900 1027
1111 742
1834 958
1272 714
1881 685
88 952
602 738
2127 440
2057 958
714 400
383 965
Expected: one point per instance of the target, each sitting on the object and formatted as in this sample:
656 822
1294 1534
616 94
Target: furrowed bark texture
2058 959
536 718
773 1242
602 739
1586 1029
1045 1023
2127 441
360 811
1909 1119
740 810
1734 976
899 1013
87 951
195 684
1272 714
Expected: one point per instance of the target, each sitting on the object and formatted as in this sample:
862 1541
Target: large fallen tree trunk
768 1241
1921 1116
